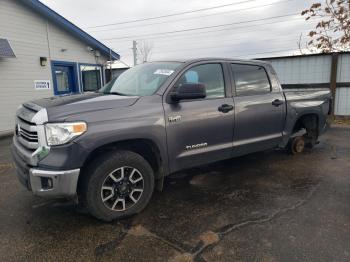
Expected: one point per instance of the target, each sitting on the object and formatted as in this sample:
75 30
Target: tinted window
208 74
91 77
250 80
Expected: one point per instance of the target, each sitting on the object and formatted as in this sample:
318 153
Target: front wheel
117 185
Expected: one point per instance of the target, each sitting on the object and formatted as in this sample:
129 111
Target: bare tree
332 32
145 51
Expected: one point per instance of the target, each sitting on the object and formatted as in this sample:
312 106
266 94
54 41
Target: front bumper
30 147
50 183
44 182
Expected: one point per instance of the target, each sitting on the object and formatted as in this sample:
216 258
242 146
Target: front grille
27 135
26 130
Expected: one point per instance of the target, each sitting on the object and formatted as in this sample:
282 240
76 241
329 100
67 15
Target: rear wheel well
308 122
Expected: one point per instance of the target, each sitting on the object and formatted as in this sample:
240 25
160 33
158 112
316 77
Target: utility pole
134 51
110 65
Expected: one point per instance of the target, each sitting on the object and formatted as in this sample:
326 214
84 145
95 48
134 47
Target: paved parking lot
267 206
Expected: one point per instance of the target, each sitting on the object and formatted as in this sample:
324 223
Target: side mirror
188 91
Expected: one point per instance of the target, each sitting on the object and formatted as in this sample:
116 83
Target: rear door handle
277 102
225 108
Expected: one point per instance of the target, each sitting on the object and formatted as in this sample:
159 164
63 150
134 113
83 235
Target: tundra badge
196 146
172 119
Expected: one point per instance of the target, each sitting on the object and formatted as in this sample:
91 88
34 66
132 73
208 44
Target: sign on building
42 84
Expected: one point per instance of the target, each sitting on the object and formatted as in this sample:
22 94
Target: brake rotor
298 145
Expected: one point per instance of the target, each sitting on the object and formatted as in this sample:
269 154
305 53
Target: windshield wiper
114 93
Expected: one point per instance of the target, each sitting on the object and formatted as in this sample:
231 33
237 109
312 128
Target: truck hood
61 107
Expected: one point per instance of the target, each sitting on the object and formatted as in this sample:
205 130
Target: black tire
96 175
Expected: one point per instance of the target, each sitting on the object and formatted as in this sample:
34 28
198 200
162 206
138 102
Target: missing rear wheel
297 145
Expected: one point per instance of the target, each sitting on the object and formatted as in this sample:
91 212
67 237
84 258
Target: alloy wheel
122 188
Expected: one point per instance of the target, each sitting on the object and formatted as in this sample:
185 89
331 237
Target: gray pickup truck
111 148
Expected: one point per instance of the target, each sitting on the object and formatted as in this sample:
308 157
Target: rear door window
250 80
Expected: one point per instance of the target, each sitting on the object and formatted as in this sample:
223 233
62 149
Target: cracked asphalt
267 206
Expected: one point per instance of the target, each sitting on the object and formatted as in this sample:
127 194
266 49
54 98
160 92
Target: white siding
342 101
31 36
343 74
303 70
342 97
317 69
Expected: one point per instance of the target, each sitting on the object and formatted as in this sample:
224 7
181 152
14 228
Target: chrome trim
24 153
30 128
25 114
27 134
42 137
40 117
27 144
64 183
31 151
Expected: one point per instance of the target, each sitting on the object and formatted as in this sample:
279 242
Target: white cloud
254 39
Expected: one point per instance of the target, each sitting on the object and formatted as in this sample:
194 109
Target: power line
179 37
200 28
261 53
191 18
173 14
275 40
235 39
224 29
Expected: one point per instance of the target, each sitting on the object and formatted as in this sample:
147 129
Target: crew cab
110 149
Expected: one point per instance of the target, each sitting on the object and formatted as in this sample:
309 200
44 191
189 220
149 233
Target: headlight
61 133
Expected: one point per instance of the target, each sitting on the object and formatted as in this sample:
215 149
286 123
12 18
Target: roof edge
70 27
302 55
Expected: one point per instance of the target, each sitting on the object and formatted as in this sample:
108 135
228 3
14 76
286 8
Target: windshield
141 80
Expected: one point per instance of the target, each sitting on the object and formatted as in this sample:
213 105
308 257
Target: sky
221 28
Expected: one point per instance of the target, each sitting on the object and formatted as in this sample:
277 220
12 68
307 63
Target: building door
64 79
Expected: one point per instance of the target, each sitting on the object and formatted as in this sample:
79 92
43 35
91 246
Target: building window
91 77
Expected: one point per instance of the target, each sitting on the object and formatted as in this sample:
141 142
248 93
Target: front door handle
225 108
277 102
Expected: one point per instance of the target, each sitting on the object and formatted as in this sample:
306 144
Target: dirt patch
139 230
209 238
186 257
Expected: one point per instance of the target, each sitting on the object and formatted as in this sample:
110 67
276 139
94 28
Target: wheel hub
123 188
